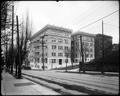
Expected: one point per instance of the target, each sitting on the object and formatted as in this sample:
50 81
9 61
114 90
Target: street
76 83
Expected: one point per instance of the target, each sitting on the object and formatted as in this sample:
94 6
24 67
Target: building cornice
100 35
59 36
50 27
83 34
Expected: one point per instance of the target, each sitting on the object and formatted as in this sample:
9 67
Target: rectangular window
76 49
91 55
60 40
85 44
45 60
37 47
53 46
87 55
66 34
60 54
76 60
91 50
91 44
37 60
53 54
53 40
92 39
76 43
66 41
36 53
53 60
84 38
37 40
66 47
76 55
60 47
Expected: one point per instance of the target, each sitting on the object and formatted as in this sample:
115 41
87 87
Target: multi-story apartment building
115 47
99 39
56 41
88 46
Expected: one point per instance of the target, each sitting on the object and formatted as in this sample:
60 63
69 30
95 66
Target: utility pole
102 71
43 51
19 57
72 52
6 53
66 54
12 37
82 64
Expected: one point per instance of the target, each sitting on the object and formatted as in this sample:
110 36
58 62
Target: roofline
104 35
83 33
48 26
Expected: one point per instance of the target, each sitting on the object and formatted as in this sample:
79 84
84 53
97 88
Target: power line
99 19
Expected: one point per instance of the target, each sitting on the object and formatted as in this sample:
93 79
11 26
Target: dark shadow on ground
68 86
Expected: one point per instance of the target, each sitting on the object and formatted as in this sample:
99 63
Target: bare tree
25 38
25 34
72 51
67 53
5 21
6 30
85 51
5 8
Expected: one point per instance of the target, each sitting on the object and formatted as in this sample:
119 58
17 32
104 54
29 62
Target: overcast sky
73 15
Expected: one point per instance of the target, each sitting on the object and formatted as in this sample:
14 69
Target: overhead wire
99 19
96 6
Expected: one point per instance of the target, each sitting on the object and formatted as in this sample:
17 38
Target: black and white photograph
60 47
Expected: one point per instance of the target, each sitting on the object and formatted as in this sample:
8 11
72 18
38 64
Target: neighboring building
88 46
57 40
115 47
99 45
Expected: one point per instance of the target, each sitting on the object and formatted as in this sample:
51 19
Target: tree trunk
19 55
79 67
12 38
72 65
16 71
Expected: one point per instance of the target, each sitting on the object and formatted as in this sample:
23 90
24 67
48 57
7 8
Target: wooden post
12 37
82 64
102 71
43 53
6 54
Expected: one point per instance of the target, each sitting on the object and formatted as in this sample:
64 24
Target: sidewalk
12 86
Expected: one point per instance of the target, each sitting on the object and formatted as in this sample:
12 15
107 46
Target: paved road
96 84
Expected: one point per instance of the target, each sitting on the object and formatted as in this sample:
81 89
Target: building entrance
60 61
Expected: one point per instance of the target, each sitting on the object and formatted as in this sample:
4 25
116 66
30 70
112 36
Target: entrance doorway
60 61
